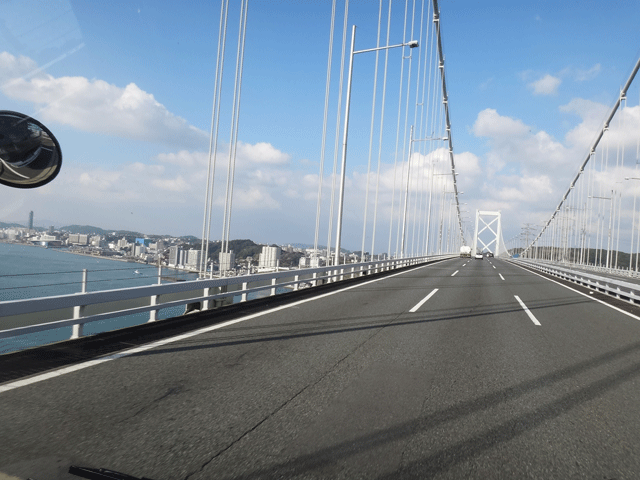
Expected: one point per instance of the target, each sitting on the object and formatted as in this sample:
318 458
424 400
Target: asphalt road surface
461 369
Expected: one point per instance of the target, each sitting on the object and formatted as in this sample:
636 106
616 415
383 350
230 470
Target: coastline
101 257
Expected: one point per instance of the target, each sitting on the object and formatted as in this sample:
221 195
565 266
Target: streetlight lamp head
413 44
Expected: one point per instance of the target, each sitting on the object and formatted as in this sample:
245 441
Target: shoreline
100 257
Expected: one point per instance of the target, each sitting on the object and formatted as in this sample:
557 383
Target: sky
127 87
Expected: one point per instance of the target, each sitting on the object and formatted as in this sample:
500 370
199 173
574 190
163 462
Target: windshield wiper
101 474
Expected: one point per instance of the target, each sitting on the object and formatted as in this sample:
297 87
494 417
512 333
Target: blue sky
528 83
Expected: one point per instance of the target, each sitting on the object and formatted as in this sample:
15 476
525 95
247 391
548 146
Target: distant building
227 261
51 229
139 250
31 220
122 243
96 241
174 256
77 239
269 257
193 259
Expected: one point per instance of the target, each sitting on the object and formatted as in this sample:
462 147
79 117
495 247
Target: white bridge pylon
491 221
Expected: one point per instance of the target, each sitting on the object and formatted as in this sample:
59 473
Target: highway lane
355 385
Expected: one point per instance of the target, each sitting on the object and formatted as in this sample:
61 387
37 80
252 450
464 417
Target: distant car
489 254
478 256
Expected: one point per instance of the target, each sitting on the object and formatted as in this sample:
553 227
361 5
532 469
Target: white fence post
205 304
244 292
273 290
78 310
153 314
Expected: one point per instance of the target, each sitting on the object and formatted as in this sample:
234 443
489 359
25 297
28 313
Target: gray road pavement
356 385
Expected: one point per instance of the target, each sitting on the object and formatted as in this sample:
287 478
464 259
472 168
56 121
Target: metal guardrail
619 271
20 317
617 288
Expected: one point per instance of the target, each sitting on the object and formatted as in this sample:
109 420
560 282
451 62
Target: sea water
29 271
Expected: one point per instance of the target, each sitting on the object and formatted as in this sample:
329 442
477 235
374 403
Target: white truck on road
465 251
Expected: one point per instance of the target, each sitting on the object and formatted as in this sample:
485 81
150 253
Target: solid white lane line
454 273
501 276
422 302
583 294
533 319
80 366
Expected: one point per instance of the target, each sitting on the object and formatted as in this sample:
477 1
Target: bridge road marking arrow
533 319
422 302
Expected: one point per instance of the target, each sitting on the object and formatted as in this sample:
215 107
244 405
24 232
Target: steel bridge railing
611 286
26 316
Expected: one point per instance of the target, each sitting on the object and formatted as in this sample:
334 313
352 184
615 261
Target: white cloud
177 184
262 152
254 197
99 180
592 115
489 124
95 105
583 75
13 68
184 158
467 165
524 188
487 83
514 144
547 85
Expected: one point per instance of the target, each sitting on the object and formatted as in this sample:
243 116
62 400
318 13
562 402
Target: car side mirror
30 155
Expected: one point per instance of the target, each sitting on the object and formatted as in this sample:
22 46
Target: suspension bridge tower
491 223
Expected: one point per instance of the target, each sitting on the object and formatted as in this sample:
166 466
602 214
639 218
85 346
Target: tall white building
193 258
269 257
227 261
174 256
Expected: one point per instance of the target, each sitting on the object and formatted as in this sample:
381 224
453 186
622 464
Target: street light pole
406 194
343 167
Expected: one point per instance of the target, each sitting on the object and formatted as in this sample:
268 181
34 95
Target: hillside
83 229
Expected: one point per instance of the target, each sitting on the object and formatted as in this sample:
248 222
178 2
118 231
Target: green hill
9 225
84 229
